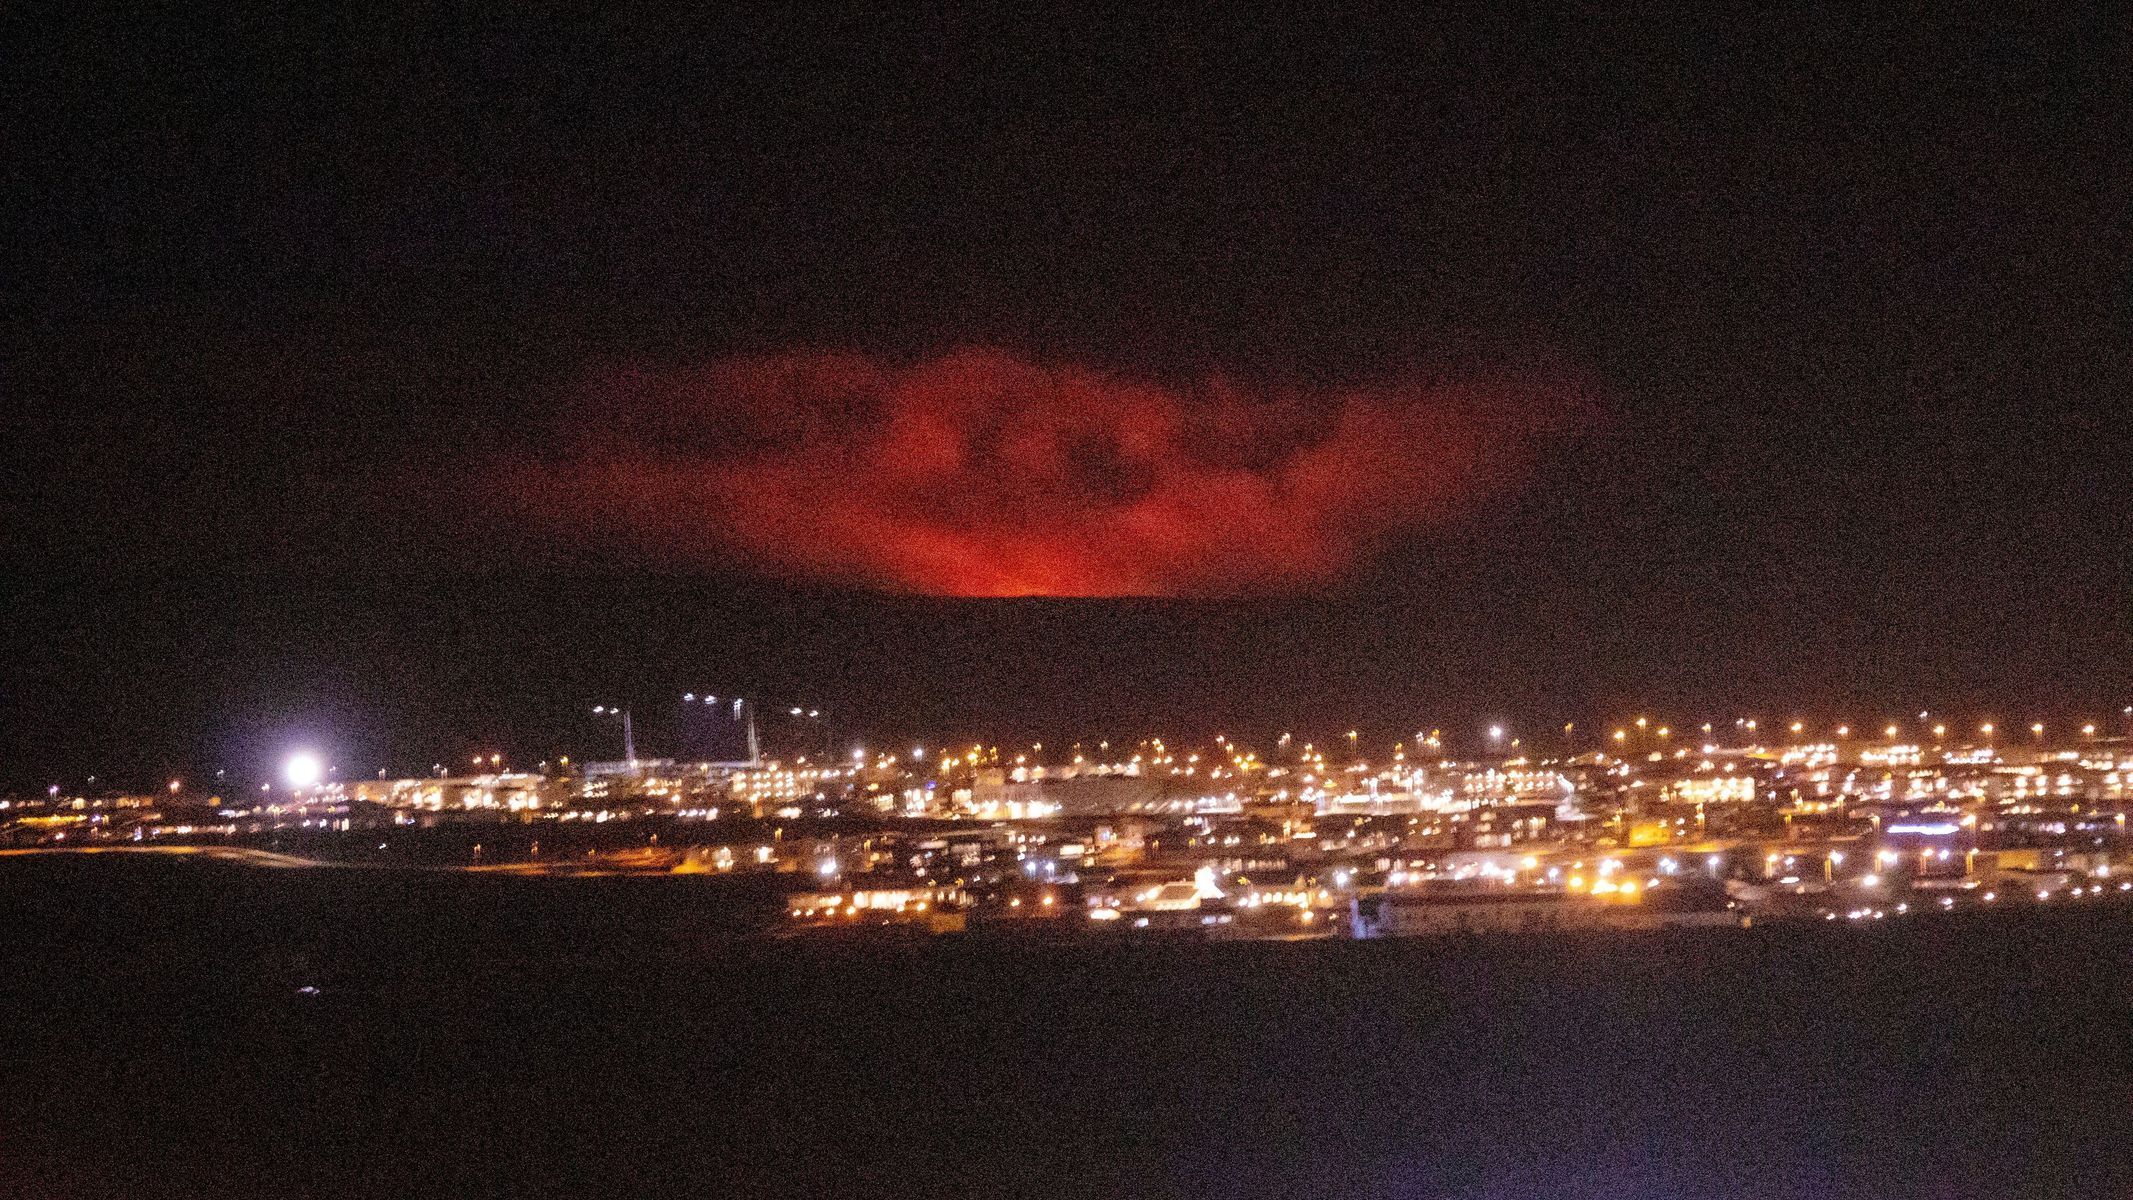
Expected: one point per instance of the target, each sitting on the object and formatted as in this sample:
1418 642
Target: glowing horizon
977 473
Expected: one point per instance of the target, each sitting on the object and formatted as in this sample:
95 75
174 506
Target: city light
1238 833
1060 432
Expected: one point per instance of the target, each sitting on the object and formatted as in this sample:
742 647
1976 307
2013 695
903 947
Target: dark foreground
476 1037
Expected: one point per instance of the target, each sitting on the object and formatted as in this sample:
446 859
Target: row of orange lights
1986 729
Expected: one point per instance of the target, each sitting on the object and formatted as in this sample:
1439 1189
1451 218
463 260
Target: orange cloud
979 473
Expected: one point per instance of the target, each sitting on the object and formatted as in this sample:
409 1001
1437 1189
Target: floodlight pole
755 748
629 733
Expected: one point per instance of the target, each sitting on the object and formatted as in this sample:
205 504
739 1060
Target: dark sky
292 301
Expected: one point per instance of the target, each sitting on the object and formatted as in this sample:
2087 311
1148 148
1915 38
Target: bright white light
302 769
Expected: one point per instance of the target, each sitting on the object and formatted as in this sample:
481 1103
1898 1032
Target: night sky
406 389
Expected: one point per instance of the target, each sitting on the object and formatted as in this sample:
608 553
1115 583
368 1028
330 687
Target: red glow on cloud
979 473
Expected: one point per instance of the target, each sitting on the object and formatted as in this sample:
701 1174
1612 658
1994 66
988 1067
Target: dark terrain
192 1029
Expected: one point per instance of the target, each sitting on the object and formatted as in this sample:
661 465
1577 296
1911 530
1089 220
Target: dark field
484 1036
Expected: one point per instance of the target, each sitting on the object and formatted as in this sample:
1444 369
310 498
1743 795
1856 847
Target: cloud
980 473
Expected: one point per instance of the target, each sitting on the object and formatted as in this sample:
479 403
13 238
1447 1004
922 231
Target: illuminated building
1727 789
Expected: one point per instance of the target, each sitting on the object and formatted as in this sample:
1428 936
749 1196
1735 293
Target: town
1650 825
